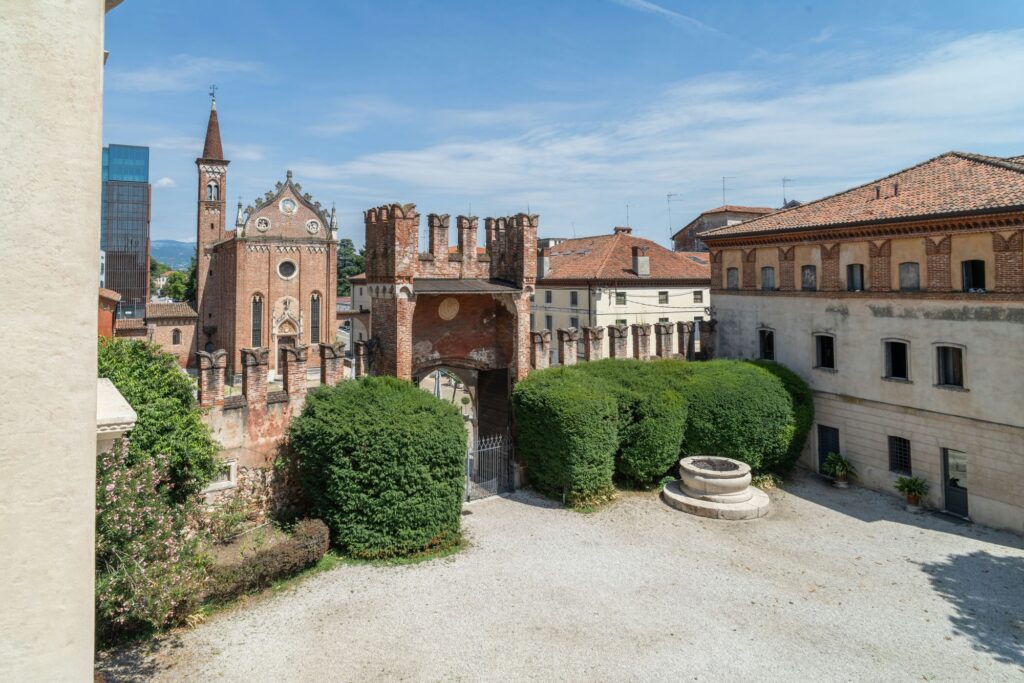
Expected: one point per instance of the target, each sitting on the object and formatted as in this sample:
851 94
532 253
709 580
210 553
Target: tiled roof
610 257
175 309
212 148
733 208
129 324
953 183
361 277
109 294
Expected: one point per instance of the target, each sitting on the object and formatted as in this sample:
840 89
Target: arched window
211 191
176 337
257 320
314 319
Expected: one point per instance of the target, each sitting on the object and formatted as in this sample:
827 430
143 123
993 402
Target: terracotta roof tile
734 208
610 257
175 309
129 324
109 294
953 183
211 147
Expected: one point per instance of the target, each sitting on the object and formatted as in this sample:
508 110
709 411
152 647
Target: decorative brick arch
468 309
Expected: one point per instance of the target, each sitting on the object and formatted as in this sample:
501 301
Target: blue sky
574 109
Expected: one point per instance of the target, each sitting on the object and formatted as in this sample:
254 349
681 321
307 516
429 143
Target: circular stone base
756 507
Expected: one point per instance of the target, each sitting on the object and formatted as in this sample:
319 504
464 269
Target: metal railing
489 467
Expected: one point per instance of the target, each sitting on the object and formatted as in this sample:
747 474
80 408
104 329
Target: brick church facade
272 280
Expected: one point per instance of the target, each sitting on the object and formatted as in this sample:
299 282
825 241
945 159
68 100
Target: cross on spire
213 93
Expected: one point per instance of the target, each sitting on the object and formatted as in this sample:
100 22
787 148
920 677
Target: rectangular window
950 366
574 322
662 297
532 324
663 320
732 278
621 321
768 278
809 278
698 296
826 351
973 275
547 323
910 277
766 344
547 296
574 299
896 365
855 277
620 298
899 455
360 291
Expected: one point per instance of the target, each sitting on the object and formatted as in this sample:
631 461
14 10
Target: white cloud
184 72
671 15
352 114
827 136
245 152
164 182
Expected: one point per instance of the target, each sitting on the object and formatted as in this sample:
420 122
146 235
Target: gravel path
833 585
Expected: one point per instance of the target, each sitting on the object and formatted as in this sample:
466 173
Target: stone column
211 377
617 341
642 341
567 340
359 359
593 342
540 349
294 359
707 338
663 340
332 363
685 329
254 375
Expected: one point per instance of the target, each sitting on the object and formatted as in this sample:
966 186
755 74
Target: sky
590 113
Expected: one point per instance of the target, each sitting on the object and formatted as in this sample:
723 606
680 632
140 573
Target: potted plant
914 488
841 469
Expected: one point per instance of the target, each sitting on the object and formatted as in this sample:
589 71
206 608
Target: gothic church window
257 320
176 337
211 192
314 319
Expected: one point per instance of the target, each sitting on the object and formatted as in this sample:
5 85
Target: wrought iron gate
489 467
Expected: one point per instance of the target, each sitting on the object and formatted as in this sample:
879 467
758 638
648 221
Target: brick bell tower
210 217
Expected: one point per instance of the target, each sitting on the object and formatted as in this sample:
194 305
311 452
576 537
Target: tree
350 262
190 283
176 286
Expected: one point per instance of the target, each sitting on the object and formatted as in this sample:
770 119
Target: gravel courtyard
833 585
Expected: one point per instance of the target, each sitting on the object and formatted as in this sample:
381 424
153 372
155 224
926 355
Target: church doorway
283 342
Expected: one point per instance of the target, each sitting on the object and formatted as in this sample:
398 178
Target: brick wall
1009 257
749 273
829 268
937 253
787 274
879 253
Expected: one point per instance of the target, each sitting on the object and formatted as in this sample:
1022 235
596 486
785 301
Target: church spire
212 148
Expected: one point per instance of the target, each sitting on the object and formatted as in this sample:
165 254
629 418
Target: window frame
548 297
899 275
732 278
938 347
315 315
574 298
818 352
895 442
698 296
256 322
175 337
973 263
620 298
810 267
850 268
768 270
887 361
663 297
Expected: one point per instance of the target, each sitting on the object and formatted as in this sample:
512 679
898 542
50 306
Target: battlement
393 255
690 346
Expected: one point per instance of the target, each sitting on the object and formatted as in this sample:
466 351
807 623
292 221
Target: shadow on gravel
988 593
133 663
873 506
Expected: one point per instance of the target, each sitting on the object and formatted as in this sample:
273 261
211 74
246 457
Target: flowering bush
150 564
169 419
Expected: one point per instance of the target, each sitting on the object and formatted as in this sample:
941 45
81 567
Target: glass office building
124 234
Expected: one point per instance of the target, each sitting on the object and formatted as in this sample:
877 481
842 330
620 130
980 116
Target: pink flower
110 487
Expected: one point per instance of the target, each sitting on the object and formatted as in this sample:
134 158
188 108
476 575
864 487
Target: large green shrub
567 434
169 420
803 409
652 417
382 463
150 565
736 410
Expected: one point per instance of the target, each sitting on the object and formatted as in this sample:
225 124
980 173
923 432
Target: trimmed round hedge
383 464
567 433
803 410
736 410
652 417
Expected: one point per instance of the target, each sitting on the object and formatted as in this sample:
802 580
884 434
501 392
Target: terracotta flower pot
913 500
841 481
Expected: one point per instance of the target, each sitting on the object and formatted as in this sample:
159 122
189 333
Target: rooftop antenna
627 215
724 178
785 181
668 201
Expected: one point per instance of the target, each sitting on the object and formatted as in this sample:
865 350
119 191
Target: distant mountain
176 254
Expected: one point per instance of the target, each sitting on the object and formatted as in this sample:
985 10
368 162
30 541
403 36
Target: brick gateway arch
467 309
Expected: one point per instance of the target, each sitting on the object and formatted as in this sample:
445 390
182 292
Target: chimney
641 261
622 230
543 262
